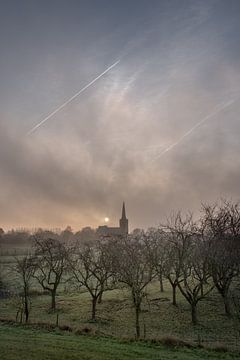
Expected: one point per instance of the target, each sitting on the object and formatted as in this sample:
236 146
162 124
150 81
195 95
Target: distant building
115 231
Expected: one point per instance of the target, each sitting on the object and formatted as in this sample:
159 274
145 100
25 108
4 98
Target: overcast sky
161 130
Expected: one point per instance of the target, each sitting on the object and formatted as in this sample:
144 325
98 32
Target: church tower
123 222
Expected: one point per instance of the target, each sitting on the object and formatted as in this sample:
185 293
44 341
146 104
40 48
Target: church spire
123 212
123 222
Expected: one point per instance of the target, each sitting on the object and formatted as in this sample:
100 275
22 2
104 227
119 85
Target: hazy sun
106 219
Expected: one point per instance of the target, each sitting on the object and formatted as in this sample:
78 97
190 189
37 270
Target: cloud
99 151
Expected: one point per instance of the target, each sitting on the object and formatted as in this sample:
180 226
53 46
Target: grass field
115 316
26 343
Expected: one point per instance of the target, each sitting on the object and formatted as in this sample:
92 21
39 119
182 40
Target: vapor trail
189 132
71 99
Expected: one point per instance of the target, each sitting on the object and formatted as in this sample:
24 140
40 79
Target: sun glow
106 219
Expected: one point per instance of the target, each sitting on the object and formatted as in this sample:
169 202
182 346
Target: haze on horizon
178 64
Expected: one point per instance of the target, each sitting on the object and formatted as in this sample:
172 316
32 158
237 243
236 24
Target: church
122 230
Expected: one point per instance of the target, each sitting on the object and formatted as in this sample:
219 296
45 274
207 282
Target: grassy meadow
32 344
116 320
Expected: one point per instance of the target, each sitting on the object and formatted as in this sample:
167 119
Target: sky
160 130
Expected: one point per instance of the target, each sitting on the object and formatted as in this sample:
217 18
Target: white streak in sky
219 108
71 99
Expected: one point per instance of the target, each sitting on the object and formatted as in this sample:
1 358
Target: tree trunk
223 291
137 308
94 303
161 282
26 307
227 305
100 297
174 298
21 316
17 314
53 304
194 314
26 303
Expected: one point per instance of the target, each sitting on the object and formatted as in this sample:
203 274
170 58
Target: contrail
189 132
71 99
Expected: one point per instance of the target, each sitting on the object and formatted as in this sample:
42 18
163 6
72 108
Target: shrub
219 347
65 328
44 325
86 330
174 341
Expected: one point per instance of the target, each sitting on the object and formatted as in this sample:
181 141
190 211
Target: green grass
115 316
27 343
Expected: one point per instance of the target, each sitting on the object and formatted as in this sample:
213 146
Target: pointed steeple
123 222
123 212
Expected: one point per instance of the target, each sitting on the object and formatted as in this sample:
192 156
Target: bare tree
50 265
25 270
178 232
195 272
67 234
222 226
134 267
86 235
156 241
91 267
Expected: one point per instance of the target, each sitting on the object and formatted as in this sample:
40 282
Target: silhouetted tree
25 269
50 264
156 241
195 272
91 267
134 268
178 232
67 234
86 235
222 227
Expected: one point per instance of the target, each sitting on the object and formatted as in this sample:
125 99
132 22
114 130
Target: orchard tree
25 269
155 240
178 233
91 267
195 272
50 264
222 227
134 268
